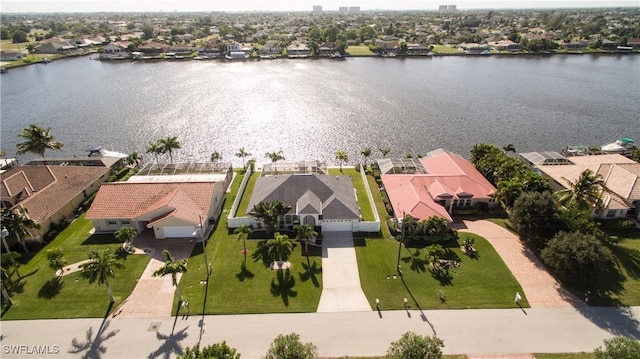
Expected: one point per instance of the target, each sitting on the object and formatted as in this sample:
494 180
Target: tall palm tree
305 232
366 152
133 159
242 154
18 223
37 140
100 267
243 232
269 213
155 148
216 156
11 260
342 156
31 48
172 267
585 193
385 151
169 144
126 235
280 247
275 157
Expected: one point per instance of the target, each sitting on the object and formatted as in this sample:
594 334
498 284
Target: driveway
153 296
341 291
540 288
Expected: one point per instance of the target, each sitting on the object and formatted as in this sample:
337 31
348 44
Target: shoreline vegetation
194 57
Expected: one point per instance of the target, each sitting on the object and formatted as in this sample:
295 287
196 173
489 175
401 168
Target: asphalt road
491 331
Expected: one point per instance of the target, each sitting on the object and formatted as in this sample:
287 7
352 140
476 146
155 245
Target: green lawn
38 295
254 288
360 50
444 49
361 190
485 282
565 356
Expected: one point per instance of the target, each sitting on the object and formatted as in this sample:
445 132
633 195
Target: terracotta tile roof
132 200
48 188
448 176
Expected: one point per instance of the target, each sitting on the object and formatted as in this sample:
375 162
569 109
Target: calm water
311 108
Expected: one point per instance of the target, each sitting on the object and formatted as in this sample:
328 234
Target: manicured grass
565 356
38 295
253 288
382 211
485 282
360 50
443 49
244 202
361 191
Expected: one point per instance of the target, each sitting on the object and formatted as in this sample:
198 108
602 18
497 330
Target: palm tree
585 193
55 256
11 260
434 253
509 148
366 153
269 213
31 48
37 140
280 246
305 232
169 144
133 159
18 223
385 151
215 156
243 232
126 235
342 156
100 267
155 148
242 154
172 267
275 157
508 191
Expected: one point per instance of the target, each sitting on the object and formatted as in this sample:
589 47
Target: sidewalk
473 332
540 288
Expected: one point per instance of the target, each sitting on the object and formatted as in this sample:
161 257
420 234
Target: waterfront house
55 45
328 203
271 47
170 200
634 43
436 185
233 46
50 193
506 45
573 45
181 49
621 198
153 47
474 48
6 55
119 48
298 49
326 49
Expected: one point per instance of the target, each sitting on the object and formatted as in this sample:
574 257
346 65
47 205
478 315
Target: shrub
215 351
415 346
290 347
619 348
534 216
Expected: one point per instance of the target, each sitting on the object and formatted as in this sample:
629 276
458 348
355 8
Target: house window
287 219
611 213
125 222
111 222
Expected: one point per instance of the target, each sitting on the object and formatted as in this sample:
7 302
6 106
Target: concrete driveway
341 291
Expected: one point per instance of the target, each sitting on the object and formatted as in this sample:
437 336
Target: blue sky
284 5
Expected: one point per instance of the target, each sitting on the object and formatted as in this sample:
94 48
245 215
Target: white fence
232 220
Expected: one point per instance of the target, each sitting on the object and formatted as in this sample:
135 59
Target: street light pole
400 244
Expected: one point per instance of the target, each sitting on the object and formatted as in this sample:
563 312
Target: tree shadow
415 301
615 320
629 259
262 254
51 288
94 348
282 286
311 272
100 239
171 345
416 263
244 273
442 275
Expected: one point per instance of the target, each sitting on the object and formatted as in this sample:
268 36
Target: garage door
178 232
341 226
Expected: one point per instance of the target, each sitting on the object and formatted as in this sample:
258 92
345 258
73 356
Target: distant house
153 47
474 48
298 49
271 47
609 45
181 49
322 201
233 46
326 49
417 49
117 48
435 185
634 43
11 55
387 46
50 193
621 198
506 45
573 45
55 46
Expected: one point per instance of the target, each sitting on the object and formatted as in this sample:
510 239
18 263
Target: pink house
434 186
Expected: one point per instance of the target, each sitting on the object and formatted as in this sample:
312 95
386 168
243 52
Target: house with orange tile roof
49 193
169 209
435 185
621 176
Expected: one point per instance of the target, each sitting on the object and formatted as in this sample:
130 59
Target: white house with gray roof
328 202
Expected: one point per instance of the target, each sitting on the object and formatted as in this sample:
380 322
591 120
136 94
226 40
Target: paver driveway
541 289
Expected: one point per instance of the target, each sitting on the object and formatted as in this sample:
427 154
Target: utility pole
400 243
